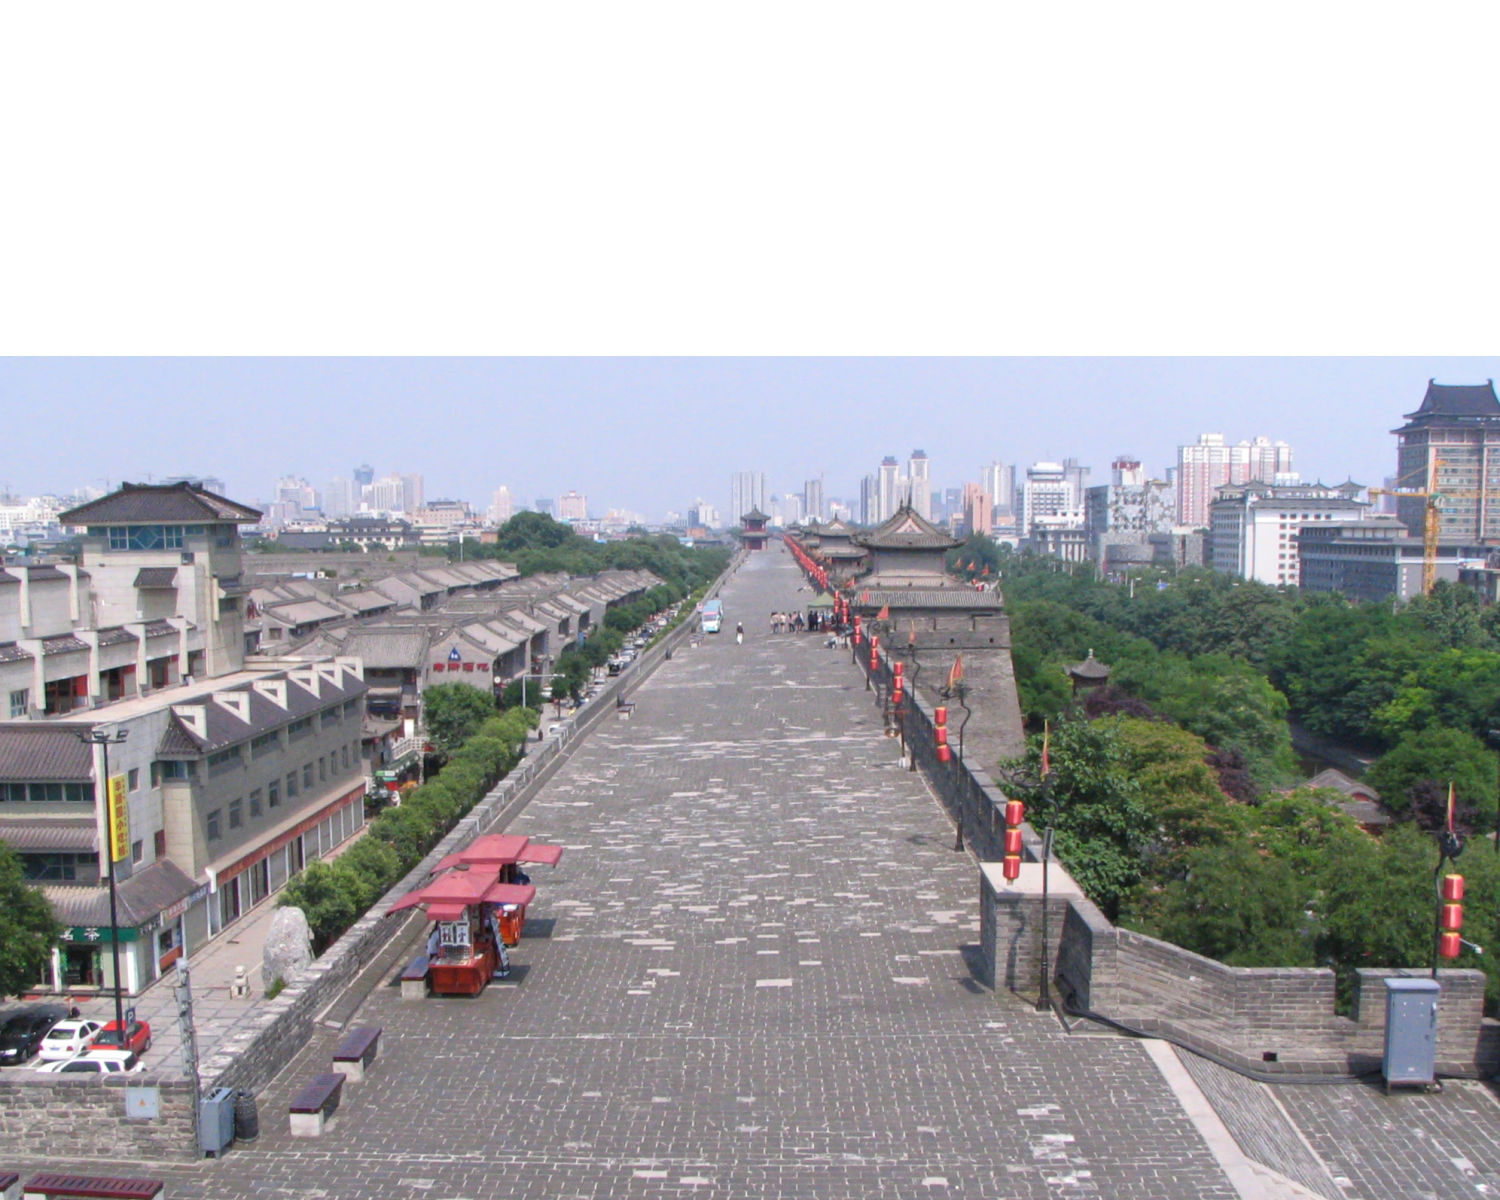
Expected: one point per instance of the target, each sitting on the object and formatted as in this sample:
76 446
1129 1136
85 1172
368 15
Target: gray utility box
216 1120
1411 1016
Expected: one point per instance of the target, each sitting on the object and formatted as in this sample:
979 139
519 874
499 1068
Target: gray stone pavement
750 977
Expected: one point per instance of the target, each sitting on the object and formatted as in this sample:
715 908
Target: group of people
787 622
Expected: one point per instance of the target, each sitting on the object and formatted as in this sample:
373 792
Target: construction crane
1432 512
1429 518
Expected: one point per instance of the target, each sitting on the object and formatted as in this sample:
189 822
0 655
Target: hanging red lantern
1453 888
1011 867
1013 841
1015 812
940 716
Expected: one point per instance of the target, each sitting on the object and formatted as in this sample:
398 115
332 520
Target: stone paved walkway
750 977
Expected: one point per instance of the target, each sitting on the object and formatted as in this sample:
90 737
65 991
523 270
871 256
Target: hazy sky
651 435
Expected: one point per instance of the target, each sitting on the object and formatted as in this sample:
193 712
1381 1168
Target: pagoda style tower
930 619
754 537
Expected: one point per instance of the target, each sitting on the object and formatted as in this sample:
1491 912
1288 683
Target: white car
96 1062
67 1038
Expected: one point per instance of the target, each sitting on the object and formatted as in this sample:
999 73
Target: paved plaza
751 976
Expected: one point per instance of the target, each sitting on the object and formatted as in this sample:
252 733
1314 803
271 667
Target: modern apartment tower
1211 462
1451 445
918 472
747 493
812 500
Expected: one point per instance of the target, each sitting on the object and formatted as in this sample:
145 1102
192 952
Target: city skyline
653 435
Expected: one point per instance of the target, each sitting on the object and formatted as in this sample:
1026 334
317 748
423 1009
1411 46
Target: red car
137 1037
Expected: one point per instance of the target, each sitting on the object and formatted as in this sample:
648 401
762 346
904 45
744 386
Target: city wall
1268 1020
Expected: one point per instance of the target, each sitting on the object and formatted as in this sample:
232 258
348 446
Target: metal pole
1044 999
98 737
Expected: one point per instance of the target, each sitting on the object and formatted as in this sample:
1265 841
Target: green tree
1432 757
28 927
1094 805
453 711
325 898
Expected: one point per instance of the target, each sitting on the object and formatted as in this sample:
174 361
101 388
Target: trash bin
215 1120
246 1116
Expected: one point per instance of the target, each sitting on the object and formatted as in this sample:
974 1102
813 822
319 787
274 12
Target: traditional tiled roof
63 644
43 753
116 636
138 898
906 530
10 652
1458 400
956 597
365 601
136 503
156 577
223 726
1331 777
161 628
387 649
44 572
1089 668
54 835
300 612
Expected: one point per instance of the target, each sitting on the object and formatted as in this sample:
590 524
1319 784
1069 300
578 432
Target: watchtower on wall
927 618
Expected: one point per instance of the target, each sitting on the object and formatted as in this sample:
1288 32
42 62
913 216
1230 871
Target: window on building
298 730
171 769
137 851
211 828
236 813
307 775
291 785
255 797
346 758
329 716
322 769
266 741
133 778
224 760
273 794
20 701
159 843
145 537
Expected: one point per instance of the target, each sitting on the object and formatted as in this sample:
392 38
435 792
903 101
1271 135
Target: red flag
911 638
986 568
884 614
956 675
1046 759
1450 806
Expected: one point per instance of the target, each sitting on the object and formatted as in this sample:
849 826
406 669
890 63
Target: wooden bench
356 1052
51 1184
314 1104
624 706
414 978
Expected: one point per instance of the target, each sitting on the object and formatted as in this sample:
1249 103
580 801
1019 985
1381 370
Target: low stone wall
1265 1019
72 1116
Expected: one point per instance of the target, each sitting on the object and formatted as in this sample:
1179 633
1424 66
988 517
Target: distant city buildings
572 506
747 493
1451 445
1211 462
1255 528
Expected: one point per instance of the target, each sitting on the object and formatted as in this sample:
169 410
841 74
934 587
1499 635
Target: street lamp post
104 740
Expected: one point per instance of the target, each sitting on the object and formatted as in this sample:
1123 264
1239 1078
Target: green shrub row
335 894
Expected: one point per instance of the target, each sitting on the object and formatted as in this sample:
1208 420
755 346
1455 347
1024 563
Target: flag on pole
884 614
956 675
1046 739
1450 806
911 638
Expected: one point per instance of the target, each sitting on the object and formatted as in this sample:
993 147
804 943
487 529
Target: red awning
548 856
446 912
491 850
510 893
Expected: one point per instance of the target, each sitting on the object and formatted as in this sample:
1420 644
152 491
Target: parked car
21 1035
137 1037
67 1038
95 1062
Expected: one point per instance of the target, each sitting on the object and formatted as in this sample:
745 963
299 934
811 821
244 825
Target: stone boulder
288 946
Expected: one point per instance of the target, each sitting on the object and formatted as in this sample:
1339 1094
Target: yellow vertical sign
119 819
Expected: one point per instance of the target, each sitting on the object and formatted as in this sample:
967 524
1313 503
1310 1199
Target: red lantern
898 669
896 693
1011 867
1015 812
940 735
944 754
1453 888
940 716
1452 917
1449 945
1013 841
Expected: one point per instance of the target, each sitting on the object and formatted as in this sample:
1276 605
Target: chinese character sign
119 819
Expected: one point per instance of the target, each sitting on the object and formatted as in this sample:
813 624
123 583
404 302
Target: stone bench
356 1052
50 1184
314 1104
414 979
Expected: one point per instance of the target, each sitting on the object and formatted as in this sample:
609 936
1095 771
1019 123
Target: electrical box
1411 1027
216 1121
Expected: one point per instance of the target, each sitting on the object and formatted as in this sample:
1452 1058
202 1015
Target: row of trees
1168 793
334 894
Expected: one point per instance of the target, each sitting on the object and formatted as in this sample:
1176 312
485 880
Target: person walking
739 633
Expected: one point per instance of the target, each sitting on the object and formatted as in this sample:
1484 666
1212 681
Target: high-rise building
1204 467
572 506
544 505
999 480
1451 445
502 506
747 493
812 499
1050 494
364 474
889 495
978 510
918 471
341 498
703 515
869 500
1255 527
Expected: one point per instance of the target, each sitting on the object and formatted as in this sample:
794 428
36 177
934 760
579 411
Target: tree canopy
28 927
